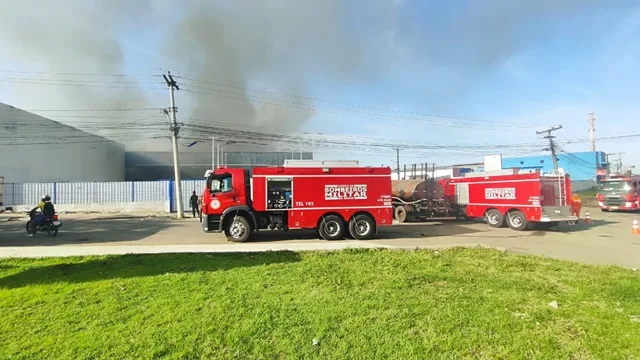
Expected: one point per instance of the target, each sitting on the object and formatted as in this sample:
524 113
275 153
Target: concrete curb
66 251
12 218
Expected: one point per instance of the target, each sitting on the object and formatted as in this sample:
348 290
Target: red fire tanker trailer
507 197
521 200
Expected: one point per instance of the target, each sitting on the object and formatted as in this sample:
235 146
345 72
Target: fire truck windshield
615 186
220 183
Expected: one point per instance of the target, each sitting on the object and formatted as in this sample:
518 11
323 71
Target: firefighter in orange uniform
576 205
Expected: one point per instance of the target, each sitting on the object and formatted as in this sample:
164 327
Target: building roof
27 128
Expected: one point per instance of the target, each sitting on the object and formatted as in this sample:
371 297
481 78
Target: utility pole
618 162
592 130
174 138
213 153
218 153
398 161
552 145
222 162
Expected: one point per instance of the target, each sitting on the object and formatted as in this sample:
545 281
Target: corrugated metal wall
125 192
188 187
100 192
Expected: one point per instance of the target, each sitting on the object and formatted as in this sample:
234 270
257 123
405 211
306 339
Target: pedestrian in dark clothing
193 201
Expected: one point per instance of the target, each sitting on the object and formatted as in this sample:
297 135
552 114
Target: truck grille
618 201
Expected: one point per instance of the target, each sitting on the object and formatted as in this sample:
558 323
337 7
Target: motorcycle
50 225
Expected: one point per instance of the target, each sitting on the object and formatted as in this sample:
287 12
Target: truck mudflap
213 223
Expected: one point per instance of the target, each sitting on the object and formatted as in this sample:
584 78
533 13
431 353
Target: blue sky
501 64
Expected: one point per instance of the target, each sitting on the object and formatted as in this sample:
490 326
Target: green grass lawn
356 304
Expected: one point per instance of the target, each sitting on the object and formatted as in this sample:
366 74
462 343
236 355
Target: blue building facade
590 165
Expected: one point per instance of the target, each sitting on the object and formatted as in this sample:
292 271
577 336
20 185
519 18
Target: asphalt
607 240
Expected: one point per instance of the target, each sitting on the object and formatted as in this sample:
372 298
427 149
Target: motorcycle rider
47 210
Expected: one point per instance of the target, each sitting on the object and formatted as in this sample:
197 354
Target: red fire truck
619 192
335 198
521 200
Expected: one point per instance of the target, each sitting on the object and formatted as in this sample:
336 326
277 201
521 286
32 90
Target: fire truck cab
619 192
335 198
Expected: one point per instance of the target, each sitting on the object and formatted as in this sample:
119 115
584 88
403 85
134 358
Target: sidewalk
62 251
90 216
65 251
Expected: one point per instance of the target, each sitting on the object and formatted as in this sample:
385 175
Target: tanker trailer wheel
494 218
400 214
516 220
362 227
331 228
238 229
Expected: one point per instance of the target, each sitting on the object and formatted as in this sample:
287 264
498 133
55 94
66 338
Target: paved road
607 240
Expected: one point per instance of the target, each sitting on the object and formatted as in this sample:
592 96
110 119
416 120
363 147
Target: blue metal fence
16 194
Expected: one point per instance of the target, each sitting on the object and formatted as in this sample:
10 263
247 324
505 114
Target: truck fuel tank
413 190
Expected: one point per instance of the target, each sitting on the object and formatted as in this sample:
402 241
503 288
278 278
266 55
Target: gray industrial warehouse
37 149
149 166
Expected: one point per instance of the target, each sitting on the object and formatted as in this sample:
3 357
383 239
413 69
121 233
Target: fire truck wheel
401 214
331 228
238 230
516 220
494 218
362 227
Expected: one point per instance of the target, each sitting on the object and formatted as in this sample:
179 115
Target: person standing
193 201
576 205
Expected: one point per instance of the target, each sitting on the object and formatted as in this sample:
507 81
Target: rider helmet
46 198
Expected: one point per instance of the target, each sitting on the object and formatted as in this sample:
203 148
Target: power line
618 163
551 144
71 73
309 98
308 107
348 138
78 85
85 110
261 135
79 81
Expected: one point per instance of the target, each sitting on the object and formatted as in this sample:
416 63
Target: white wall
60 163
36 149
581 185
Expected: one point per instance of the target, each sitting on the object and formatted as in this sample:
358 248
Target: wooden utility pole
398 161
552 145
